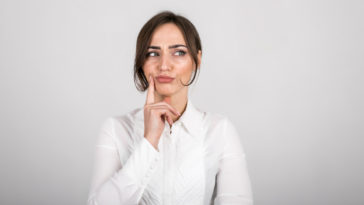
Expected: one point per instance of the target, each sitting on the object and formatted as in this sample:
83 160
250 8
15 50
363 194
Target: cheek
185 62
185 72
147 68
150 64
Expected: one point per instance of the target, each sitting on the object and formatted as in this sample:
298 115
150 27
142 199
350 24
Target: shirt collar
191 118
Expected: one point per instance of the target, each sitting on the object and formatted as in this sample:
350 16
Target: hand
155 115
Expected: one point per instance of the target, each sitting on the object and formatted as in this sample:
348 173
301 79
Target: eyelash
183 52
180 51
148 54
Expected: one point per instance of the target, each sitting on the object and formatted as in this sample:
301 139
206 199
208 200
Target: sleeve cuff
142 163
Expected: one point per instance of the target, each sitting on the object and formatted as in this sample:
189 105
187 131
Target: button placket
166 166
173 157
174 132
169 158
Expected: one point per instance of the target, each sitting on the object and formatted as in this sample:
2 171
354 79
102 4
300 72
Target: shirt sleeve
233 182
113 183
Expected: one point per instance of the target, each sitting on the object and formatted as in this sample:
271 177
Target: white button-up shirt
201 161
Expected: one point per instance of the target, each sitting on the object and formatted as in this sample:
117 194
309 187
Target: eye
180 53
152 54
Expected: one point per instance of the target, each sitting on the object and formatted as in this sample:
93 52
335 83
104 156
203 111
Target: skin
167 55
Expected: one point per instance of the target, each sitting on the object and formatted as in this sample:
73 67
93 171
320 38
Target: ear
199 56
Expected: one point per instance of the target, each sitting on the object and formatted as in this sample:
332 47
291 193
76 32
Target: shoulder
222 127
218 129
120 132
126 118
214 120
126 121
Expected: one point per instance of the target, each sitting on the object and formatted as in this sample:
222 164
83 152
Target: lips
164 79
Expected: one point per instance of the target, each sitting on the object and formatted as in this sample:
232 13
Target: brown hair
190 35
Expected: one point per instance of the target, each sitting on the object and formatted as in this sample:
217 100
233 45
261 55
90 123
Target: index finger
150 93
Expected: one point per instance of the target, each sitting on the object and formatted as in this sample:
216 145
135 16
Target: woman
169 152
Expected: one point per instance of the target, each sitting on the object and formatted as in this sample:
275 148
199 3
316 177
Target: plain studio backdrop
289 74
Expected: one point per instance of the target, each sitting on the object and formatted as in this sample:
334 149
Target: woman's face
168 55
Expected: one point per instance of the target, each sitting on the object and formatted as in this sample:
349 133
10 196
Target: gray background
289 74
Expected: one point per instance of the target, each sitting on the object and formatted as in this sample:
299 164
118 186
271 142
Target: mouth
164 79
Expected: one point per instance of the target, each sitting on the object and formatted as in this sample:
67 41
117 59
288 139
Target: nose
165 63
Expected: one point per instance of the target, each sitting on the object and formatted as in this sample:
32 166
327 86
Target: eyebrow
173 46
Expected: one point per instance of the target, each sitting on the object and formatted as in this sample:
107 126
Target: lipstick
164 79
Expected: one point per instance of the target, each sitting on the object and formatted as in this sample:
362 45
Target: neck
177 101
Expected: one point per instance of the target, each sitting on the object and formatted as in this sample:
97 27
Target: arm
233 182
113 183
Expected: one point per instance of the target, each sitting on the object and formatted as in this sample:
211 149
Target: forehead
168 34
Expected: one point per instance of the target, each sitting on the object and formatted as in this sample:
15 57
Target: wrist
153 141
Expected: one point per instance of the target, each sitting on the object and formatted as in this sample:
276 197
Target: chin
165 91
